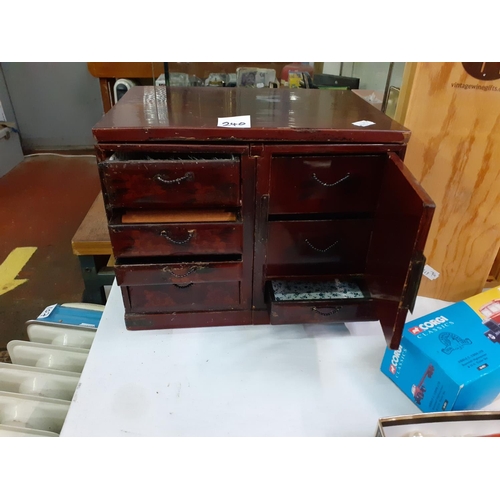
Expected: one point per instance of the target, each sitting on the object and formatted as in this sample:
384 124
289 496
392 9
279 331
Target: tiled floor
42 202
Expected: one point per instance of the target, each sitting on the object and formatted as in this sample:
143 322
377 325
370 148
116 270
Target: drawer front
193 272
317 247
325 184
183 298
321 312
143 240
186 184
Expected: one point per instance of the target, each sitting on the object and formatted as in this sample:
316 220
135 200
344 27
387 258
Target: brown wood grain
455 153
92 237
124 69
199 238
106 94
327 116
173 184
182 298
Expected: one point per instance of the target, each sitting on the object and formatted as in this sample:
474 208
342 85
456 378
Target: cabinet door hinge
414 278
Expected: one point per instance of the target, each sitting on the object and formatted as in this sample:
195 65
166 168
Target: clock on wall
483 70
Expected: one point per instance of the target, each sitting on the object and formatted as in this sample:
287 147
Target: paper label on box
430 273
363 123
46 312
234 122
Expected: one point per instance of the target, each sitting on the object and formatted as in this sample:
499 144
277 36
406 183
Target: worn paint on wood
455 153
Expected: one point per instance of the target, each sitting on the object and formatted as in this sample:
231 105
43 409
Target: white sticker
259 85
363 123
234 122
2 114
430 273
46 312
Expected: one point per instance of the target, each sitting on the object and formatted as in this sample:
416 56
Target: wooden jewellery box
307 216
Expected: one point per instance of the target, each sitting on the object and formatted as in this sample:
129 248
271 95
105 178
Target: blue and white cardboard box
60 315
450 359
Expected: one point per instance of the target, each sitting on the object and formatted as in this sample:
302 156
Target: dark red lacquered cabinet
304 217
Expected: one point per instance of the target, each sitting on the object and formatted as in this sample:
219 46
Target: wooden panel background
454 152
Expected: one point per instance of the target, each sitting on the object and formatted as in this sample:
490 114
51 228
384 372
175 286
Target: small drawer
325 184
177 273
171 182
143 240
308 307
297 248
182 298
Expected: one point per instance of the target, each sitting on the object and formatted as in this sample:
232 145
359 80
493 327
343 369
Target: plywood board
92 237
154 216
454 151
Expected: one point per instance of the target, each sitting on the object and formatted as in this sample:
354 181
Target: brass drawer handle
334 183
188 176
319 249
191 271
166 236
331 313
184 286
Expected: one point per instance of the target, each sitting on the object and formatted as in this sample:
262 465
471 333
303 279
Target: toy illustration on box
418 391
459 359
492 313
452 342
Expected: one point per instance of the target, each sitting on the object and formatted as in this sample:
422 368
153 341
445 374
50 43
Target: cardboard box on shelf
450 359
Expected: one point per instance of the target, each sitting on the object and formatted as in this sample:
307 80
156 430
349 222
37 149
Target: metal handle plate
188 176
330 313
319 249
315 177
176 242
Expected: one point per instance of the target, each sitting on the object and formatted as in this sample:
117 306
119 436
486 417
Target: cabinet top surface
147 113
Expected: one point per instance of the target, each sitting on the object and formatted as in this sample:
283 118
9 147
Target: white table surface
293 380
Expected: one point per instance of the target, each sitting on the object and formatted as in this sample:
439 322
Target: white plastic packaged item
32 412
60 335
41 382
71 324
9 431
69 359
84 305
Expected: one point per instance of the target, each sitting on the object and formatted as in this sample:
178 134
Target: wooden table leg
106 94
95 275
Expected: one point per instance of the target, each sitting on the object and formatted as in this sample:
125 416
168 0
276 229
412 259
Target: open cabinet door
395 258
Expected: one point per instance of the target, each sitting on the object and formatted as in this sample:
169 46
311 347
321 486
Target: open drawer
160 179
318 302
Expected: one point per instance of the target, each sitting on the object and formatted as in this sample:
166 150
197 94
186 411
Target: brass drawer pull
331 313
166 236
191 271
334 183
184 286
319 249
188 176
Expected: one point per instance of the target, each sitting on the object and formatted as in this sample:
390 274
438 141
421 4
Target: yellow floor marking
12 266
